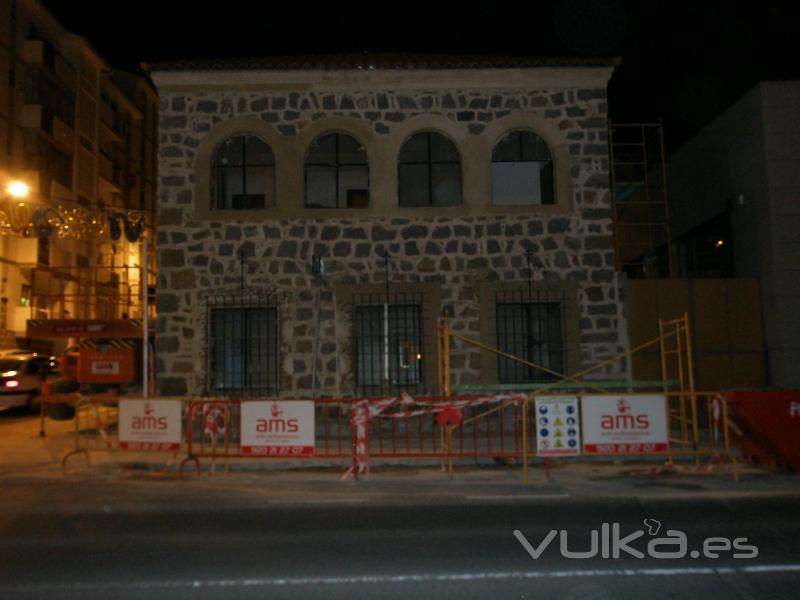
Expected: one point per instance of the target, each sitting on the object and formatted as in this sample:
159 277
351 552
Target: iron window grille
522 170
336 173
242 174
388 343
530 326
242 346
429 171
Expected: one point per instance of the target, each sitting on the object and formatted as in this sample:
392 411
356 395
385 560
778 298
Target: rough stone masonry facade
456 257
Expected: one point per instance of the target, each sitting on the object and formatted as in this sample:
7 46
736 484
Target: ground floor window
243 349
387 342
531 329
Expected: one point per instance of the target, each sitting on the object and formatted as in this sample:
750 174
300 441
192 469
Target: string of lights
22 217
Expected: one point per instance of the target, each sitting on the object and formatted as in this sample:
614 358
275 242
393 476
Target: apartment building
83 137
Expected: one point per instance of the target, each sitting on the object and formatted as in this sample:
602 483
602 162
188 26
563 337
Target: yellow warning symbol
558 433
557 422
558 444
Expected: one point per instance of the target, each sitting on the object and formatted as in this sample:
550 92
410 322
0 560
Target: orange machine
101 361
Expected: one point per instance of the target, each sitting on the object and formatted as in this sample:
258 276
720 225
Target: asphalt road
96 538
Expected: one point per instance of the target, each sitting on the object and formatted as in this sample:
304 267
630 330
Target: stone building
316 216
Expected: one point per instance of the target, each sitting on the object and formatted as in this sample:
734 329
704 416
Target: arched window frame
512 184
430 162
217 196
344 197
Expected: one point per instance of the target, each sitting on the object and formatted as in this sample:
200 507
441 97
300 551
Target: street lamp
17 189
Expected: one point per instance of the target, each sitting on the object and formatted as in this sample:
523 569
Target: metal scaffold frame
677 385
639 200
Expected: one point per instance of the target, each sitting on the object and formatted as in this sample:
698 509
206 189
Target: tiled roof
372 62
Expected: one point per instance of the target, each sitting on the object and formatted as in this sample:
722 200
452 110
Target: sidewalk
23 454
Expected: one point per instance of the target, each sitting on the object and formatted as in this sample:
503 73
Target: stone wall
457 253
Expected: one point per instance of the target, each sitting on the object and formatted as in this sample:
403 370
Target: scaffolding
687 410
639 200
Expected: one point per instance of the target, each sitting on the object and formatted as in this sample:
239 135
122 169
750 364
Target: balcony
110 120
39 53
109 171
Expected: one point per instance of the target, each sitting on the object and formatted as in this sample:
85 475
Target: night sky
683 62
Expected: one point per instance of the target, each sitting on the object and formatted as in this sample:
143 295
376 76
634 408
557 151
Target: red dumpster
770 419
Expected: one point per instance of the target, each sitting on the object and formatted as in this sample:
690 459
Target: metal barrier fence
96 426
501 426
416 427
213 431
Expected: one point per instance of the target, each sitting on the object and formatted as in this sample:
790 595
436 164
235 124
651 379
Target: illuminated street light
17 189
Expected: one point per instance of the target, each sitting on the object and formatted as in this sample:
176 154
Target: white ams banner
558 429
279 428
626 424
150 424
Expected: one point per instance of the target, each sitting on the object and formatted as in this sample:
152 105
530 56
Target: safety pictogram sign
278 428
558 430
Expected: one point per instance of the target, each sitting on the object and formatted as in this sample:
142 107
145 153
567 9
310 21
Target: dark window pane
442 149
260 184
337 174
507 149
446 183
353 179
230 152
405 339
429 178
532 332
534 147
351 152
414 182
415 149
243 348
369 342
321 187
323 150
388 345
229 184
547 182
242 174
257 152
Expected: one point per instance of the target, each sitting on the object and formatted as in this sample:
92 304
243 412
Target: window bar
564 367
430 169
502 412
407 428
385 339
336 168
394 436
474 424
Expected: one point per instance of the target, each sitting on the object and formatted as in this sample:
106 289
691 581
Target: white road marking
407 578
516 496
320 501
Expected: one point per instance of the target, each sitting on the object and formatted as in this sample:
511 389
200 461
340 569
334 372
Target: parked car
21 377
14 352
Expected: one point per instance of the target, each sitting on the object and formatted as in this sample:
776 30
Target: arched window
337 173
242 174
522 170
429 171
